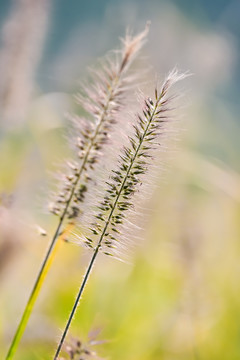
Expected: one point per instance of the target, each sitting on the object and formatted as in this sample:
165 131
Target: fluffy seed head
106 230
102 100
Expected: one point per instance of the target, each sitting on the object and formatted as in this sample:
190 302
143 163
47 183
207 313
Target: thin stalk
36 289
95 253
77 301
49 255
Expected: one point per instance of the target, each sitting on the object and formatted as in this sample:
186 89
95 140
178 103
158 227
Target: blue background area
67 15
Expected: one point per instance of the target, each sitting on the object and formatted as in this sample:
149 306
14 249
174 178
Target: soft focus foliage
179 299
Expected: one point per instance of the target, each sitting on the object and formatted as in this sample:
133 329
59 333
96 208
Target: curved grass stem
37 287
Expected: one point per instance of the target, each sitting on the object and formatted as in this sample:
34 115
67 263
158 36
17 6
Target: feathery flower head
108 225
102 101
77 349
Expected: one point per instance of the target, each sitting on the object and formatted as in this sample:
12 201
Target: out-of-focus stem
37 287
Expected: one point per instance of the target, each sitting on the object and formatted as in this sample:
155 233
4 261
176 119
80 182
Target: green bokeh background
179 297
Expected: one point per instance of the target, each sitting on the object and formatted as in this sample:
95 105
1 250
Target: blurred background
179 299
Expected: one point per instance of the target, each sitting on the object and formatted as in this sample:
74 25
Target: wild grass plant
108 230
102 224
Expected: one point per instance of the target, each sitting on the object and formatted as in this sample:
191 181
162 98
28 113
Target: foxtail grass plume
102 101
107 229
105 232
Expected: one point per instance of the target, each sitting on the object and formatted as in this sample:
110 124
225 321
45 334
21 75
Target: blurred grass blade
35 291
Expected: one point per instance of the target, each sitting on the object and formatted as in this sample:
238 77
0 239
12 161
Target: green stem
76 301
34 294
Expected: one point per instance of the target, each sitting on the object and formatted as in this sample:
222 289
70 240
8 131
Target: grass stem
56 241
